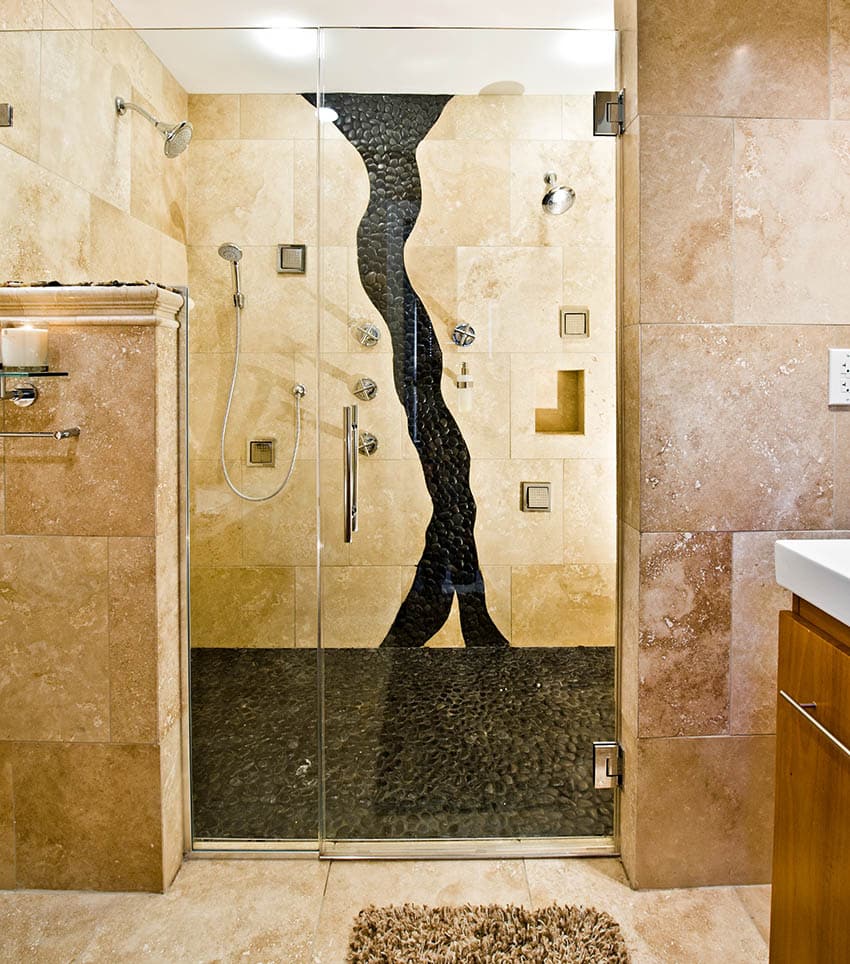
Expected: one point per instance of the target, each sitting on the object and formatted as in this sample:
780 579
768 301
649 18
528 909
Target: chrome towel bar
62 433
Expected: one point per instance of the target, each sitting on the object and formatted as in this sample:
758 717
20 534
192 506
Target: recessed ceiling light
288 43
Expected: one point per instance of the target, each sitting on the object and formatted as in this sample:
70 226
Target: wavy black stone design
386 129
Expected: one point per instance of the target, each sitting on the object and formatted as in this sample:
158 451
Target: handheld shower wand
233 253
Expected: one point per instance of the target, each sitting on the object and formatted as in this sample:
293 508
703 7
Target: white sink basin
817 570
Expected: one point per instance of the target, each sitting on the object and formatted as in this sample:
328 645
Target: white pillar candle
24 348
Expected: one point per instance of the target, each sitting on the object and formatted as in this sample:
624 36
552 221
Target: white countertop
817 570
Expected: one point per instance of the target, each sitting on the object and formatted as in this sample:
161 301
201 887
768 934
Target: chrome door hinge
609 113
6 115
607 766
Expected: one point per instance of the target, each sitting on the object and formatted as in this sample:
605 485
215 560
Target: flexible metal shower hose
233 488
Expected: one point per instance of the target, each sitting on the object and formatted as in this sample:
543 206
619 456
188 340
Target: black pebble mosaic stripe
386 129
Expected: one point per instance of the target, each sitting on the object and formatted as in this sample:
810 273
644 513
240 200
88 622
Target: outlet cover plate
839 376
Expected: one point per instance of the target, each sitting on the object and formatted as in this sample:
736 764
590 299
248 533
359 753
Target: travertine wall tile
686 220
590 525
99 162
839 36
279 117
630 426
447 169
77 13
215 117
347 625
38 245
55 639
842 465
630 192
7 818
132 641
88 816
241 190
769 383
281 532
488 117
243 606
510 296
122 247
158 194
20 73
394 510
216 514
534 387
21 14
757 600
585 166
504 535
711 799
629 696
108 475
770 59
792 221
685 630
563 605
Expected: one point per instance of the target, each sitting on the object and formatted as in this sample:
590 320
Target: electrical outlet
839 376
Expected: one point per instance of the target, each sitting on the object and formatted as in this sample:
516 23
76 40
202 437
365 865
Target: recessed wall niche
566 417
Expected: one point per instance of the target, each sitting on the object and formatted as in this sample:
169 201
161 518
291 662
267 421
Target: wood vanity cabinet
810 903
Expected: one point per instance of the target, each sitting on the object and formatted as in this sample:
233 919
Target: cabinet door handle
815 723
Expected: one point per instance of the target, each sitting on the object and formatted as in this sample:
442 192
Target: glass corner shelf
14 373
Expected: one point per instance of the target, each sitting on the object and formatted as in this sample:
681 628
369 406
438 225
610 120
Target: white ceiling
447 61
577 14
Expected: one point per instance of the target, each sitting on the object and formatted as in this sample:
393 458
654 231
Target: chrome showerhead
177 136
557 199
233 253
230 252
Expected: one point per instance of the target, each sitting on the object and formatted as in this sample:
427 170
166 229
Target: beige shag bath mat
414 934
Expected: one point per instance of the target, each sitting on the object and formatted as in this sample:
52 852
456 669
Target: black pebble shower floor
420 743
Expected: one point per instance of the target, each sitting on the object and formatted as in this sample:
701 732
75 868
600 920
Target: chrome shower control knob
367 334
463 335
24 396
368 444
365 389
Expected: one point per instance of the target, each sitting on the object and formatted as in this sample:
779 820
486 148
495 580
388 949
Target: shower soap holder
25 395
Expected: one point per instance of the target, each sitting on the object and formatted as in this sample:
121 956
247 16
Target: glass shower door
467 437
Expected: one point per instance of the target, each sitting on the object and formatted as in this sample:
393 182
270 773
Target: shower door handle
351 454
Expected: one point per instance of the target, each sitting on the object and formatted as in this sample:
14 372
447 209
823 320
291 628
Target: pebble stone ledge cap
817 570
91 304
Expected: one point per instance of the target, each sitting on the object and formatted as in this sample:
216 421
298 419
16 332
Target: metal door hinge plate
609 113
6 115
607 766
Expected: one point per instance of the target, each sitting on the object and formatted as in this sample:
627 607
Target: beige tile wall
89 697
498 264
123 202
89 708
735 237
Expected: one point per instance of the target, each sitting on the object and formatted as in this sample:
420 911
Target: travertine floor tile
356 884
700 926
269 911
757 902
246 911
